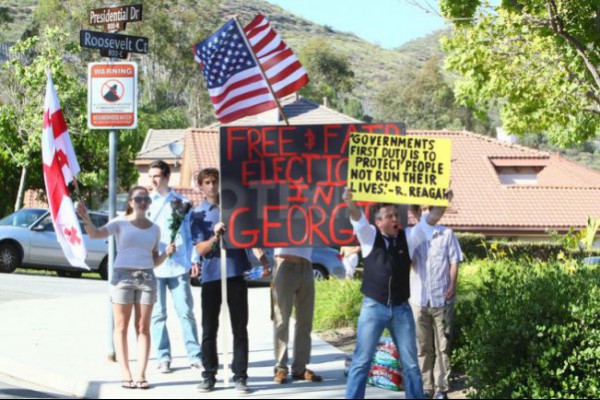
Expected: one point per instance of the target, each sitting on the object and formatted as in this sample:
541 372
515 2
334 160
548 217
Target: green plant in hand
180 210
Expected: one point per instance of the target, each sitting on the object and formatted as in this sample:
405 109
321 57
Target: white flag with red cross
60 168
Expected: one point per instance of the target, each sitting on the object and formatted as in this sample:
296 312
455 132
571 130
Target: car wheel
10 258
103 269
69 274
320 272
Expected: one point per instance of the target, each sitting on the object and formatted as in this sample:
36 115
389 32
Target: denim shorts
133 286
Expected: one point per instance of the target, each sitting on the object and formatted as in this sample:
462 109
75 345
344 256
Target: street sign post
112 95
113 41
112 99
116 18
114 54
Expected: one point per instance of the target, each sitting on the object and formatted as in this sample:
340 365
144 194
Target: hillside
20 11
372 64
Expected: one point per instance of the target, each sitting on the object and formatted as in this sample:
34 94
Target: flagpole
262 71
225 313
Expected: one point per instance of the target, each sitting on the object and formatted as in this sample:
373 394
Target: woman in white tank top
133 285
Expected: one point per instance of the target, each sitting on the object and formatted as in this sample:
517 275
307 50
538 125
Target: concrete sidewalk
61 344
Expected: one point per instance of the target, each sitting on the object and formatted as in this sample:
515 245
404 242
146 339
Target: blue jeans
374 318
184 305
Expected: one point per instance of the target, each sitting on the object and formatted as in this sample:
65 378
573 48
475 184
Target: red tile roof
156 145
564 195
202 148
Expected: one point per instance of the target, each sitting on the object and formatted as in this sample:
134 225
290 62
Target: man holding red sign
293 285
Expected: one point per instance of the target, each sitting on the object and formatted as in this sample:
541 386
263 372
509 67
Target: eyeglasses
140 199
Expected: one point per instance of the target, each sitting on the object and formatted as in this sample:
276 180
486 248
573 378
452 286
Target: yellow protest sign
399 169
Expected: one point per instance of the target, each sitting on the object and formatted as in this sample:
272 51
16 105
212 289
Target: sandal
128 385
142 385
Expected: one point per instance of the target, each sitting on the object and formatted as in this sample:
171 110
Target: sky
388 23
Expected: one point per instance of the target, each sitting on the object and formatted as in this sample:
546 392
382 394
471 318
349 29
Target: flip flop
128 385
142 385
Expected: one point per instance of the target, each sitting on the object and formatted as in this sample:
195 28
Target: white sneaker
440 395
164 367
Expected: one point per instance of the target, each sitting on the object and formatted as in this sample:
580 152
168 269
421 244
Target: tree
21 111
423 100
169 76
330 74
539 57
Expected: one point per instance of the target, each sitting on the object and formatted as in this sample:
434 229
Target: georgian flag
60 167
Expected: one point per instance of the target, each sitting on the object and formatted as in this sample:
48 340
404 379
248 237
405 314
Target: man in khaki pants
432 292
293 286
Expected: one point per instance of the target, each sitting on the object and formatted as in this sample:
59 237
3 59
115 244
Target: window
519 171
22 218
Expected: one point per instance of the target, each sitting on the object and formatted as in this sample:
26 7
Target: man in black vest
386 249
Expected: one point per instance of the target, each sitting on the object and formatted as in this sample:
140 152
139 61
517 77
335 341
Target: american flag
235 82
284 72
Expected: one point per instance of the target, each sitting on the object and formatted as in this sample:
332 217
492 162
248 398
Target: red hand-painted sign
281 186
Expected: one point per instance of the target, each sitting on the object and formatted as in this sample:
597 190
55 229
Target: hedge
529 329
477 247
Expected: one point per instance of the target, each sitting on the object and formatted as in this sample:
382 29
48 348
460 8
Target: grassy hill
20 11
372 64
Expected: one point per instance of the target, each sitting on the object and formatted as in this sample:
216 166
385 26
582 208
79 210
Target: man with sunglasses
174 274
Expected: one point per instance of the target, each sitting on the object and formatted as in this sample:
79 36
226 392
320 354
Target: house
501 189
201 145
510 191
157 146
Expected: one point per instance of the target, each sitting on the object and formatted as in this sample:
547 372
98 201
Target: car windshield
22 218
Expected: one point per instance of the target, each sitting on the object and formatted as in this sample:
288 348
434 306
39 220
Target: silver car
326 263
27 239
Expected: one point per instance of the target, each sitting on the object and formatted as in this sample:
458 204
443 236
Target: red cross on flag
60 167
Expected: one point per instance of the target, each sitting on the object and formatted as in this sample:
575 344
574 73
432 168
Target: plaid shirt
430 275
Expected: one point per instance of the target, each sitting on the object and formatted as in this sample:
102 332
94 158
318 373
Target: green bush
476 247
473 245
337 304
529 329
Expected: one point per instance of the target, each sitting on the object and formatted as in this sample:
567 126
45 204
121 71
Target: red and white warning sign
112 95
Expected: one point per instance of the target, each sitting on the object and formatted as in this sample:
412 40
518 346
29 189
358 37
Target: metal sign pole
115 46
112 212
113 141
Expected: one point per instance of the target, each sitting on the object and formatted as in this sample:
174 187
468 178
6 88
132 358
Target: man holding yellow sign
399 169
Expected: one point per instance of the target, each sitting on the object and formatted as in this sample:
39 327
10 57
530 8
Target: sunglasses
140 199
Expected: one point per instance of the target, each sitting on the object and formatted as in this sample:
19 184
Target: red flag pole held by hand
60 167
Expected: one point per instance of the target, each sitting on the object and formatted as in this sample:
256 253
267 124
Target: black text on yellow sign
399 169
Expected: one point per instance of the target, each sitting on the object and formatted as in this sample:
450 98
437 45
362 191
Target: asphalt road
26 286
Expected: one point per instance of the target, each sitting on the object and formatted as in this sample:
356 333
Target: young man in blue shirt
206 236
174 274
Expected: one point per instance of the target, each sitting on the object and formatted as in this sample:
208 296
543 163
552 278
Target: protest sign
281 186
399 169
